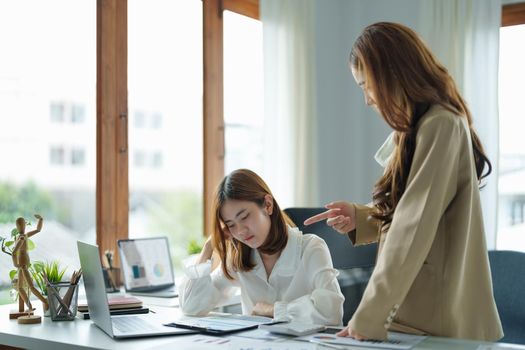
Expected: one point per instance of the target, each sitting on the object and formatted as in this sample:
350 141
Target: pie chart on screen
158 270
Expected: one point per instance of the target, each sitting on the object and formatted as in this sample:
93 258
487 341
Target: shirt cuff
280 311
198 270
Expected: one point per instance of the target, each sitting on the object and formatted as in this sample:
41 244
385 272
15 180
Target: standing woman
432 274
281 272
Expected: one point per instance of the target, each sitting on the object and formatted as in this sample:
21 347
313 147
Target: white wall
349 132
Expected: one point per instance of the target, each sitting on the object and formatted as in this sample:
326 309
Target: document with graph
395 340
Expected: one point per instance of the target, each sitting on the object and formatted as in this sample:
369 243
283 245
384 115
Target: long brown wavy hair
245 185
405 77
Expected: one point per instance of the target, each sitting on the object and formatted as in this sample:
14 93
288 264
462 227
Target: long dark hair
245 185
404 75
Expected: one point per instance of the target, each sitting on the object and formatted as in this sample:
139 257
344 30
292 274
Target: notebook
142 310
117 327
115 302
221 324
146 267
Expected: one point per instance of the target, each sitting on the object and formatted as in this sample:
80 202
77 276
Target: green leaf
12 274
194 247
14 232
38 279
38 266
30 245
9 243
53 271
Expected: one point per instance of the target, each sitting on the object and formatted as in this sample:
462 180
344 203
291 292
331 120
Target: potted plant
51 270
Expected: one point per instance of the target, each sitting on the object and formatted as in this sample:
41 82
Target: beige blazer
432 274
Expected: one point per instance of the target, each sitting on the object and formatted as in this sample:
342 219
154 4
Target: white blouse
302 285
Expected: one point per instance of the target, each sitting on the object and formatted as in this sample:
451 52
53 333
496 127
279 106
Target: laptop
146 267
118 327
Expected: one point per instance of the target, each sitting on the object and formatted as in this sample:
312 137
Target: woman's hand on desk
349 332
263 309
340 216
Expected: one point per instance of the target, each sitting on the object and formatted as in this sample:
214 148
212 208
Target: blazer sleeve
202 290
324 304
366 227
430 188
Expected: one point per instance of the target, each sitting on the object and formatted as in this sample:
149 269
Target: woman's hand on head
263 309
340 216
349 332
207 251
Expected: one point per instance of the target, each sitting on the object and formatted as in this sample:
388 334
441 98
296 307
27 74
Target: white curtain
290 134
464 34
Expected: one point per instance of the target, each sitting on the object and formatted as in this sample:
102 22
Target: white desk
83 334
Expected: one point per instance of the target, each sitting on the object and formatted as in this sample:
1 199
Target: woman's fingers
343 332
355 335
322 216
348 332
335 221
341 224
336 204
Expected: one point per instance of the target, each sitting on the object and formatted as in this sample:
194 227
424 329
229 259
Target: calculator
292 328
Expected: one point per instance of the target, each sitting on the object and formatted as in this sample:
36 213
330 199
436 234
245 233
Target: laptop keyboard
132 324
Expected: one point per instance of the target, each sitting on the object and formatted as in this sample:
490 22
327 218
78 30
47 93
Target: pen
328 345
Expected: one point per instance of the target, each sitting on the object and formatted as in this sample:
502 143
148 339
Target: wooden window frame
112 183
112 189
249 8
213 101
513 14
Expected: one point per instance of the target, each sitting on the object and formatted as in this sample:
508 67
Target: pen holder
62 299
112 279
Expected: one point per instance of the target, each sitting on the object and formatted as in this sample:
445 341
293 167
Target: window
48 61
156 160
77 156
139 159
72 109
511 216
156 121
56 112
139 119
57 155
243 93
77 113
214 128
165 93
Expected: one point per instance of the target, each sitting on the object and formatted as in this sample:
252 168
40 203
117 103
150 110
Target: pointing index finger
322 216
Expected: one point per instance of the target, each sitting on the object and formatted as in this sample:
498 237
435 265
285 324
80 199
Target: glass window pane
47 131
243 93
165 137
511 216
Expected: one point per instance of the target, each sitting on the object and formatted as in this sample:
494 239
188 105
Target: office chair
355 264
508 279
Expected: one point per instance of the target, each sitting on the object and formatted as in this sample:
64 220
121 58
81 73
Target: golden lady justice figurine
22 262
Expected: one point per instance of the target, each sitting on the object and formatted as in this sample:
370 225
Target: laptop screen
146 263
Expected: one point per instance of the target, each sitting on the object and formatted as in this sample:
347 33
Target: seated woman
281 272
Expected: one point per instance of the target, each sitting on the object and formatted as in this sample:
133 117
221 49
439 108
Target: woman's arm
366 227
324 304
202 290
430 188
349 218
